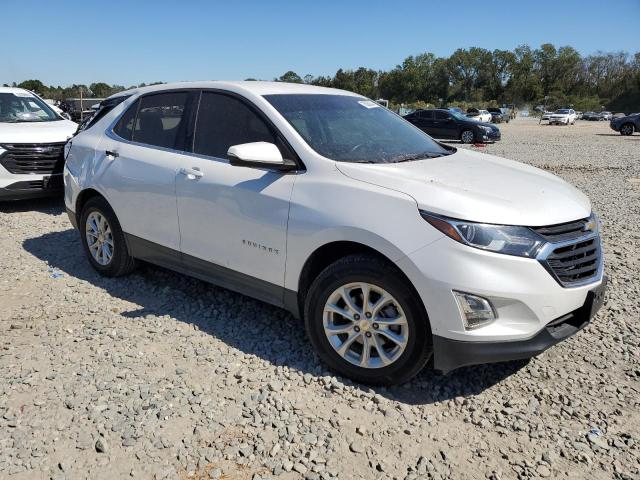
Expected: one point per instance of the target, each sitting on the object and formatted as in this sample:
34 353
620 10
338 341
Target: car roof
14 90
250 87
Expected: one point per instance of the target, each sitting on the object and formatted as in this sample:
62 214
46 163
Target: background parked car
497 115
626 125
563 116
606 116
78 108
440 123
479 115
591 116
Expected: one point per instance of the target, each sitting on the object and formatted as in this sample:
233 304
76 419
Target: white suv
394 248
563 116
32 139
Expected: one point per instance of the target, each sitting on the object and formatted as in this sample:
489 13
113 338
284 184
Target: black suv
626 125
440 123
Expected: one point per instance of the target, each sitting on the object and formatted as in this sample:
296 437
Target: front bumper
41 186
492 136
450 354
615 126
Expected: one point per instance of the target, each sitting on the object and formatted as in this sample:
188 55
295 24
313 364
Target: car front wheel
365 322
467 136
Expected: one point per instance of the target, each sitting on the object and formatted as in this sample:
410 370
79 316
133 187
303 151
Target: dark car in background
499 115
79 108
447 124
626 125
592 116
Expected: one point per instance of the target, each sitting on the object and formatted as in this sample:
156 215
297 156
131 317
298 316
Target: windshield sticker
368 104
23 94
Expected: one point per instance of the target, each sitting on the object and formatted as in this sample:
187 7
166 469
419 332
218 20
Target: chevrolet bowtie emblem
589 226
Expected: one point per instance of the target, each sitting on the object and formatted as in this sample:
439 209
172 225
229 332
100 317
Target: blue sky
128 42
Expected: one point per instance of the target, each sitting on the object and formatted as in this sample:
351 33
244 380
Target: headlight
2 150
507 239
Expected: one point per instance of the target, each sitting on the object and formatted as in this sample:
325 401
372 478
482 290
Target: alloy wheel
626 130
365 325
99 238
467 136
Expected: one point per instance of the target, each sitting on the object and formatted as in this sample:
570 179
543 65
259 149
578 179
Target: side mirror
259 155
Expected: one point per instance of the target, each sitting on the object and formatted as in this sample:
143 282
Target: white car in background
563 116
32 140
479 115
394 248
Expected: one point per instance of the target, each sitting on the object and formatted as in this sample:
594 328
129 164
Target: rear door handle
111 153
191 173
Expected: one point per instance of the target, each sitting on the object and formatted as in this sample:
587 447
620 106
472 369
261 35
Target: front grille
575 263
33 158
566 231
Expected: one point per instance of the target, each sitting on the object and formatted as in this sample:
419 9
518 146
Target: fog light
476 311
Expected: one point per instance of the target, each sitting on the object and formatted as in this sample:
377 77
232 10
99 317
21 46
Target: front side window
346 128
224 121
161 120
442 115
24 107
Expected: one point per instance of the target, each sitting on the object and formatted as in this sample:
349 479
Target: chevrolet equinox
393 248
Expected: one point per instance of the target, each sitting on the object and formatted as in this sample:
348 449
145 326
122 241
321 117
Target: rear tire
393 327
103 240
627 129
467 136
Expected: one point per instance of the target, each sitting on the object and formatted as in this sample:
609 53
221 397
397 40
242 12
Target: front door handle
191 173
111 153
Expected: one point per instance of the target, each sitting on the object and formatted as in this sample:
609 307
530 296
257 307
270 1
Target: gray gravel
161 376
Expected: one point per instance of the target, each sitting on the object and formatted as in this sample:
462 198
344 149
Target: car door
444 125
233 219
139 160
425 122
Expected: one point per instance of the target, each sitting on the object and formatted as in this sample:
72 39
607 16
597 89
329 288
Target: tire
626 129
120 262
467 136
400 361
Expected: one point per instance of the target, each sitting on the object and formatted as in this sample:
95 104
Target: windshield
16 107
353 129
459 116
562 111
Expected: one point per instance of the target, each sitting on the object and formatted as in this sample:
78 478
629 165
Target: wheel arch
330 252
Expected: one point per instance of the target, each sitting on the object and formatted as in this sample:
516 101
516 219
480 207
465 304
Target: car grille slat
575 263
564 231
33 158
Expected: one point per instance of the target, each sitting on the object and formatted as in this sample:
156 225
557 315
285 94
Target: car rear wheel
103 239
467 136
626 129
365 322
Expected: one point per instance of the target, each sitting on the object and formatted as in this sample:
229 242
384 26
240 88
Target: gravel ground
161 376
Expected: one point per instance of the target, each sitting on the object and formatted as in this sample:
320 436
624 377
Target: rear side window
124 127
161 120
426 115
224 121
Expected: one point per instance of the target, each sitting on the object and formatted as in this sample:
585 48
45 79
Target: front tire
103 240
467 136
626 129
365 322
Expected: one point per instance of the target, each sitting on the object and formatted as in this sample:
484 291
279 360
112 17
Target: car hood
37 132
478 187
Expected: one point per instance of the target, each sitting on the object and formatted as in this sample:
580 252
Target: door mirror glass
258 155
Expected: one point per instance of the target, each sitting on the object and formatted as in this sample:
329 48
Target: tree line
548 75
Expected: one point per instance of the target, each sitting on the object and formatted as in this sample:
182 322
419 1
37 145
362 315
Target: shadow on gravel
50 205
248 325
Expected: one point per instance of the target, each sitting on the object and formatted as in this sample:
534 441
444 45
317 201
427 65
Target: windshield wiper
415 156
